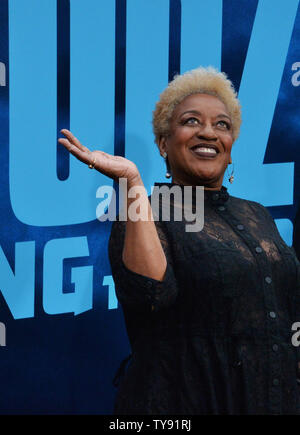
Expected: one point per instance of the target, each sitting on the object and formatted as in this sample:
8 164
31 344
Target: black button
258 249
215 196
237 364
276 382
275 347
240 227
272 314
268 279
149 284
221 208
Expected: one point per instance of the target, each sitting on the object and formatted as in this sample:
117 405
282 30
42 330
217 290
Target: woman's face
200 141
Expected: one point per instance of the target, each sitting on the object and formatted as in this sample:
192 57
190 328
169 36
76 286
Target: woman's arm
142 251
138 291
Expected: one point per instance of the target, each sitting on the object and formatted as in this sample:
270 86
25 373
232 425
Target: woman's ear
162 144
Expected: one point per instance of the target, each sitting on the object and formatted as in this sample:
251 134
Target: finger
83 156
65 143
73 139
98 160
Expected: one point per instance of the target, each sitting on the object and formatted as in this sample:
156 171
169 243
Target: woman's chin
208 176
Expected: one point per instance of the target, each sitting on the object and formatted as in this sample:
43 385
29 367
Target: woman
208 313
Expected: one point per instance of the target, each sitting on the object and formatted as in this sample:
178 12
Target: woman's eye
191 121
224 124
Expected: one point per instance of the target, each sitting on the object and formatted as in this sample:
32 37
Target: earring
168 173
231 176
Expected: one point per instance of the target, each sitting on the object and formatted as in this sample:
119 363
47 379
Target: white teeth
206 150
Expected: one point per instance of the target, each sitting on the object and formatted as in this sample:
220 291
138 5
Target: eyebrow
221 115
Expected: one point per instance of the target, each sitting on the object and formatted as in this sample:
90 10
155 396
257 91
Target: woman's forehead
204 103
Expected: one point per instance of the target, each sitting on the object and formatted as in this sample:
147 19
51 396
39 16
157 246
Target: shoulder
241 201
253 206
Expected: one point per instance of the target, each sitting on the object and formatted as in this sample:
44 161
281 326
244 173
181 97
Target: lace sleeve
135 290
269 217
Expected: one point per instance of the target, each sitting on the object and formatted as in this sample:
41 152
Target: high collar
217 197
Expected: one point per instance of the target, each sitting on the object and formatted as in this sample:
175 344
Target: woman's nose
207 131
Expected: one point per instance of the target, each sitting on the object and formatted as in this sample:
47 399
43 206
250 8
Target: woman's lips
209 153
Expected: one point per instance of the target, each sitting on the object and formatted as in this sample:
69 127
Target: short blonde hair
200 80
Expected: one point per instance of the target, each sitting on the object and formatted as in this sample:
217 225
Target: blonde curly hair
200 80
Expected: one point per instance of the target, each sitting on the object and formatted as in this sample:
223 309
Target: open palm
114 167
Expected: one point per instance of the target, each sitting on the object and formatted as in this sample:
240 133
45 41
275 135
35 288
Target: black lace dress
214 337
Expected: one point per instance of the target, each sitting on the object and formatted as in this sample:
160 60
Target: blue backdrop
97 67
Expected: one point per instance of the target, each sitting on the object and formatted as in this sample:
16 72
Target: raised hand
114 167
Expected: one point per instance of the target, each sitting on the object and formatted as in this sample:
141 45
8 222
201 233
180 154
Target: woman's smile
204 151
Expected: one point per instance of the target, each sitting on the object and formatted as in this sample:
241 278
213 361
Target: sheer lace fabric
214 337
